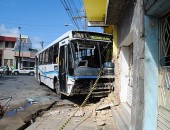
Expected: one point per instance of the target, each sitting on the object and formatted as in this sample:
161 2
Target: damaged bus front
87 54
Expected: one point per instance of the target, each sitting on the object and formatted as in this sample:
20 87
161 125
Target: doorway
63 68
130 75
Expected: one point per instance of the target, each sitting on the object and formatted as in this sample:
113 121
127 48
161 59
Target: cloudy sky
41 20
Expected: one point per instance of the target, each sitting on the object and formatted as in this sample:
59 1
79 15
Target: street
36 107
20 87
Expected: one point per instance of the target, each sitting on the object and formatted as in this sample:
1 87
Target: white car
24 70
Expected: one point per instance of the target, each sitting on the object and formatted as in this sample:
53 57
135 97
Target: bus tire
57 89
39 77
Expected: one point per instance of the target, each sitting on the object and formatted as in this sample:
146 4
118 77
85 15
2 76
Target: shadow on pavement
4 78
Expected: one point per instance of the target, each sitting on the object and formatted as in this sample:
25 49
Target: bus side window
46 56
55 55
50 55
43 57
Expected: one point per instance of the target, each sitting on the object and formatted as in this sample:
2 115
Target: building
7 45
9 52
141 33
27 54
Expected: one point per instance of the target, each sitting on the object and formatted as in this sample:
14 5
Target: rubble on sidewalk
92 116
79 113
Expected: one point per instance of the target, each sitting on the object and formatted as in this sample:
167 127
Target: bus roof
55 41
67 34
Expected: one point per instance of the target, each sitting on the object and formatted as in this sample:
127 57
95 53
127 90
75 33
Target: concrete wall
132 21
151 73
124 26
8 53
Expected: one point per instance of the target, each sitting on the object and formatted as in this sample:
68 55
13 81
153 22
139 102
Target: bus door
63 68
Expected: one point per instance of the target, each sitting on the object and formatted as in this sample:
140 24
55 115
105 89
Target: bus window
46 57
40 59
55 56
50 55
43 58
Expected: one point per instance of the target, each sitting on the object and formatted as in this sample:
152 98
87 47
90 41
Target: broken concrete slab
104 107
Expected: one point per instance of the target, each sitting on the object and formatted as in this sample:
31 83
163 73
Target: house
7 45
9 52
141 48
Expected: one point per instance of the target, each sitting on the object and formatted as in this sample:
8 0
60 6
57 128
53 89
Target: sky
41 20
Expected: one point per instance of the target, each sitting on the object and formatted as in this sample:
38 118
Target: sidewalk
87 118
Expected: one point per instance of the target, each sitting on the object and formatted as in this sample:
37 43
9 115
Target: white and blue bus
72 63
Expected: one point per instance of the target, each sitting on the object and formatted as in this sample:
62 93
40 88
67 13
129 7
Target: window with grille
9 44
165 41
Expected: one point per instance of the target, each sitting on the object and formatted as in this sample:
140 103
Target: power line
77 11
27 24
75 16
70 13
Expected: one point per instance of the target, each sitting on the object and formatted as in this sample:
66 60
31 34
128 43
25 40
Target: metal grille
164 70
165 41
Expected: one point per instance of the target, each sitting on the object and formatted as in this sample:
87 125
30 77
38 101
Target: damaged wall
132 21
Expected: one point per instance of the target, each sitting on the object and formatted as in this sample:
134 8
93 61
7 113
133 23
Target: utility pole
85 22
19 48
22 53
42 43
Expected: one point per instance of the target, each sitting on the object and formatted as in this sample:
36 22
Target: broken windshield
91 53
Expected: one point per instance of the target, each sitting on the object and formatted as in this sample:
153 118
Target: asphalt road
20 87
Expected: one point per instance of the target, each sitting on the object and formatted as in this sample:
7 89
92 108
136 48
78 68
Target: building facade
7 45
9 52
141 33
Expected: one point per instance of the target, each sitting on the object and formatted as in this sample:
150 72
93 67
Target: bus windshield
91 53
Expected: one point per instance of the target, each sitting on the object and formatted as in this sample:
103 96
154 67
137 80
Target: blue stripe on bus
51 72
48 72
76 77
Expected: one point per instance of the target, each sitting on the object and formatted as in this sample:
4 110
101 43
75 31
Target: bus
71 64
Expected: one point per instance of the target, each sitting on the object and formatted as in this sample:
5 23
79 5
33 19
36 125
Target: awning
115 10
95 12
104 12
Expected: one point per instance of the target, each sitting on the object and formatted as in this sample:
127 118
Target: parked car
3 70
24 70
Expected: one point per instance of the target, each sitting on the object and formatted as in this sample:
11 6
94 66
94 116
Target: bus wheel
57 89
40 83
